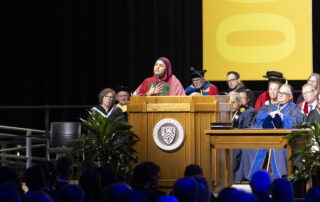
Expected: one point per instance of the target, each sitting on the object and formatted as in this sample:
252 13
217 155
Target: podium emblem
168 134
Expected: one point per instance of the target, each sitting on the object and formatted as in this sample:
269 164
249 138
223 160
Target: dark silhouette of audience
35 181
313 195
192 170
50 177
9 193
282 190
64 168
225 193
145 179
101 185
118 192
186 189
260 184
90 182
71 193
167 198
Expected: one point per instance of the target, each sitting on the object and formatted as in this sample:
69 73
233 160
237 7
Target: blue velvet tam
270 122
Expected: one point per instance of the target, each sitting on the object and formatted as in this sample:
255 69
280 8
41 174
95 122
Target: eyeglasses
230 80
196 79
109 97
307 92
284 93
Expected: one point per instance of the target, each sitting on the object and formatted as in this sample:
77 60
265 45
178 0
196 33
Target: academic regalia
261 100
111 114
171 84
171 87
207 89
305 107
252 159
242 118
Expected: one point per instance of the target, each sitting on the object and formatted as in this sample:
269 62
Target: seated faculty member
200 86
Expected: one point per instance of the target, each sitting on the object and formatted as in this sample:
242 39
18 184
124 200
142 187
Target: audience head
107 175
186 189
146 173
9 193
8 175
37 197
197 78
309 93
137 196
285 94
261 181
118 192
162 68
167 198
71 193
123 95
107 97
90 182
282 190
233 79
64 167
225 193
50 174
192 169
204 193
240 195
313 195
34 178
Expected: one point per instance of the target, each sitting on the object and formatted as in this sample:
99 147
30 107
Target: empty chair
60 133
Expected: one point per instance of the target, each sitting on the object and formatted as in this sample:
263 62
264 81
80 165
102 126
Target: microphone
158 79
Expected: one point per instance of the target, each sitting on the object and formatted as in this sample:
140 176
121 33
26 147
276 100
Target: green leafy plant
107 144
306 150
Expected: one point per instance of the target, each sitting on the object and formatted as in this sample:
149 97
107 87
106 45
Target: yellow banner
256 36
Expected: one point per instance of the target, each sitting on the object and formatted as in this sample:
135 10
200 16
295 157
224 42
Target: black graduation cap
274 76
195 74
123 88
270 122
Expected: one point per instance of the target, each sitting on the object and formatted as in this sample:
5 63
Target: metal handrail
29 136
46 109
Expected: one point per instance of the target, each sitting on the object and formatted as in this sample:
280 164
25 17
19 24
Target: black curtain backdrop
63 52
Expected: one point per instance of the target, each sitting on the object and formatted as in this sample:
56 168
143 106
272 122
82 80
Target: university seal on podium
168 134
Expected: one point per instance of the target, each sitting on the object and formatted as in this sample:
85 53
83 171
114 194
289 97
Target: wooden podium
194 113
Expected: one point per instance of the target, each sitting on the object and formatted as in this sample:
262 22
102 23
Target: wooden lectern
194 113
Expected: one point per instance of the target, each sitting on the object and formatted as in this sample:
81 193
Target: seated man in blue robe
285 114
242 117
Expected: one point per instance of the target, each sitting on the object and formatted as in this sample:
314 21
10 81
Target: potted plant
107 144
306 153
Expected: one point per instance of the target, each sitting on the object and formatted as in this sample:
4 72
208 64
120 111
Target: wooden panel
223 140
194 113
169 107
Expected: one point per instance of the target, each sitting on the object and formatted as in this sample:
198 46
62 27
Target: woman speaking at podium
163 82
